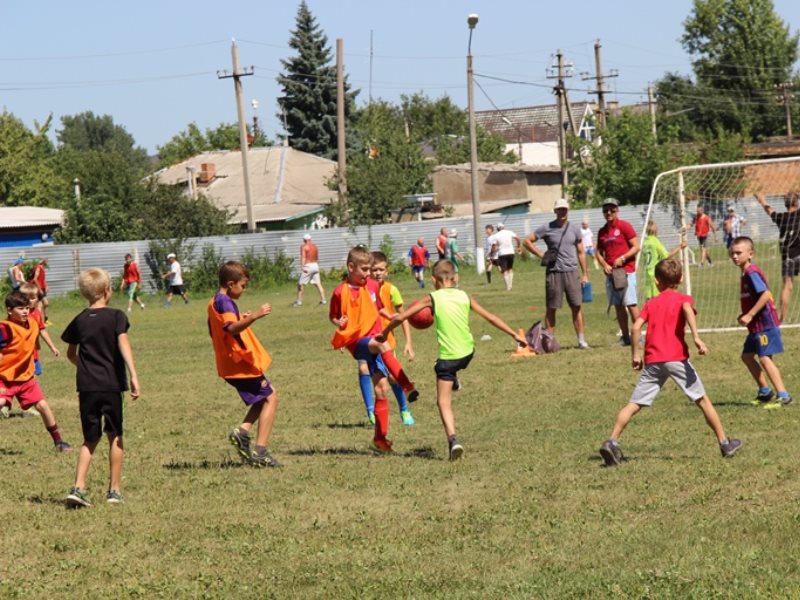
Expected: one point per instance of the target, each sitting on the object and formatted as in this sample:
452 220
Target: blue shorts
374 361
417 269
252 390
764 343
626 297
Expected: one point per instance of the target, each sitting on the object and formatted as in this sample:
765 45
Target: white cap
307 236
171 255
561 203
731 207
500 226
453 233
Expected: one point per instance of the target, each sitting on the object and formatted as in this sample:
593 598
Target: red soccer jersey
39 277
701 225
666 327
613 240
131 273
419 255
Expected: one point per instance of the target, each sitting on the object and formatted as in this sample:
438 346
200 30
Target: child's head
94 284
489 229
128 258
741 251
652 228
444 274
669 273
379 267
791 199
18 306
359 263
233 278
420 241
32 291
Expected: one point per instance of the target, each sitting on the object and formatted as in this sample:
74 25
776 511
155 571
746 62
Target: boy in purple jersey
763 327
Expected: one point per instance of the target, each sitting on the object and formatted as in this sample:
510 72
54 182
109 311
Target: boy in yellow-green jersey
451 307
654 251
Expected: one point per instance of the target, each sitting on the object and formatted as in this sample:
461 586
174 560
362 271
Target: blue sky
152 65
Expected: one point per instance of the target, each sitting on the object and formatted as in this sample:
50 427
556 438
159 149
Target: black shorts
505 262
177 289
790 266
446 369
97 405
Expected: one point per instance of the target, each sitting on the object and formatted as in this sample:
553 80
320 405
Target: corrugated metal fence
66 261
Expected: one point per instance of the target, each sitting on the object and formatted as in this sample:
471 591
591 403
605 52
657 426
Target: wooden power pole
562 71
600 89
341 146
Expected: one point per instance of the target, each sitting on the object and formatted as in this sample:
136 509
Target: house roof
530 123
285 184
17 217
504 167
490 206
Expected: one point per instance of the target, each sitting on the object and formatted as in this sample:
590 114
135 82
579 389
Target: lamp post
508 122
472 20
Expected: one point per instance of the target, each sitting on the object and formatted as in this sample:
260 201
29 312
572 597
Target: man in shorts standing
309 270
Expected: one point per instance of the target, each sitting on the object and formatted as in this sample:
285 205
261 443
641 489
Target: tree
192 142
308 103
740 49
86 132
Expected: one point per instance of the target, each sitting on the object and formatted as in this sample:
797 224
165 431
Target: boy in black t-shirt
789 232
99 347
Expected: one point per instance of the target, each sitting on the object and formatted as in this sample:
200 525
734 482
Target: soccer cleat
382 447
129 310
296 303
141 306
113 497
264 460
77 498
583 346
730 447
772 405
323 301
371 417
5 412
48 323
62 446
241 443
456 450
762 398
785 400
611 453
407 417
624 341
31 412
413 396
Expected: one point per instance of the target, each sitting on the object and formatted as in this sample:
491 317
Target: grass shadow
6 452
225 463
358 425
424 452
37 499
341 451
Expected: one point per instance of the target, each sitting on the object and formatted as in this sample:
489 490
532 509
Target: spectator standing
565 239
588 242
506 244
16 276
789 233
617 247
309 270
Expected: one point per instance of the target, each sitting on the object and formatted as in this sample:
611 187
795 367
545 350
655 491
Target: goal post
673 205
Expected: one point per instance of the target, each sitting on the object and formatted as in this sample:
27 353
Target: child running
34 294
18 336
418 259
99 348
131 280
241 361
763 327
392 300
451 308
666 356
354 310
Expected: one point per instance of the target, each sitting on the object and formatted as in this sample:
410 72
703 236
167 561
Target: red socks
396 370
54 433
381 418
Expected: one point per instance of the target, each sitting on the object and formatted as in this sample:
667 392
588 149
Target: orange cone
522 350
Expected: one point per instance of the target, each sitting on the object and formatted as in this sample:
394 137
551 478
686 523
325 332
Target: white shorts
655 375
309 274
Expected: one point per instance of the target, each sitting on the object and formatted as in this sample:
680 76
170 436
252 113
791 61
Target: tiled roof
530 123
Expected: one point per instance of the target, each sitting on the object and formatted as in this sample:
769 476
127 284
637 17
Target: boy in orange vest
242 361
18 335
354 310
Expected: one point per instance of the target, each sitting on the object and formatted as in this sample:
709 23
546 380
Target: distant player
174 279
309 271
666 356
451 308
763 327
703 225
131 280
418 259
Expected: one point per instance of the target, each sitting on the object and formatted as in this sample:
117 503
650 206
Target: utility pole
563 70
786 99
600 90
341 147
237 86
651 104
472 21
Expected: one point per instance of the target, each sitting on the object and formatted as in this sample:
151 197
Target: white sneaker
296 303
5 412
141 306
583 346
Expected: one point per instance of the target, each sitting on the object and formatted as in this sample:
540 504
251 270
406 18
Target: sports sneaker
167 304
407 417
296 303
129 310
772 405
456 450
785 400
323 301
762 398
624 341
77 498
382 447
264 460
241 443
611 453
371 417
583 346
141 306
730 447
113 497
5 412
412 396
62 446
48 323
31 412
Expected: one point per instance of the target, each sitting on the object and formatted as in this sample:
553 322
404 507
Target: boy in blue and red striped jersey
418 258
763 326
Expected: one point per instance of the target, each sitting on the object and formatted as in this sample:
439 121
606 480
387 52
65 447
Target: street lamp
472 20
508 122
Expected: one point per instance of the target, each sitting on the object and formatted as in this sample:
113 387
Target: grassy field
530 512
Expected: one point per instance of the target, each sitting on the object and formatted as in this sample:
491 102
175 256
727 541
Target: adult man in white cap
309 270
174 279
565 253
506 244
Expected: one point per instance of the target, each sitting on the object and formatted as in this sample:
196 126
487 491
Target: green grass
528 513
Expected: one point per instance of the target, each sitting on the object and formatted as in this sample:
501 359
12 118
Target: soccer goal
673 205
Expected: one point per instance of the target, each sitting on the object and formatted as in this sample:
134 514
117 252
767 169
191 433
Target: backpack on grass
540 340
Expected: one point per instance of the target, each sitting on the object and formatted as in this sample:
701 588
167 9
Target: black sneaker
77 498
413 396
611 454
264 460
241 443
785 400
763 398
456 449
730 447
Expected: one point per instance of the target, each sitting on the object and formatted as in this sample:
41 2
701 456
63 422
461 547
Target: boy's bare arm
399 318
496 321
408 349
691 321
72 354
745 318
46 337
249 318
636 333
127 356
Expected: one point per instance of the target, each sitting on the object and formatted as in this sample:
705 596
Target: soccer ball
423 319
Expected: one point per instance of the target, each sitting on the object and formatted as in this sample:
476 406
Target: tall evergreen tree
308 103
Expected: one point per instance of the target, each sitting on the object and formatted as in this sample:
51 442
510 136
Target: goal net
716 188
